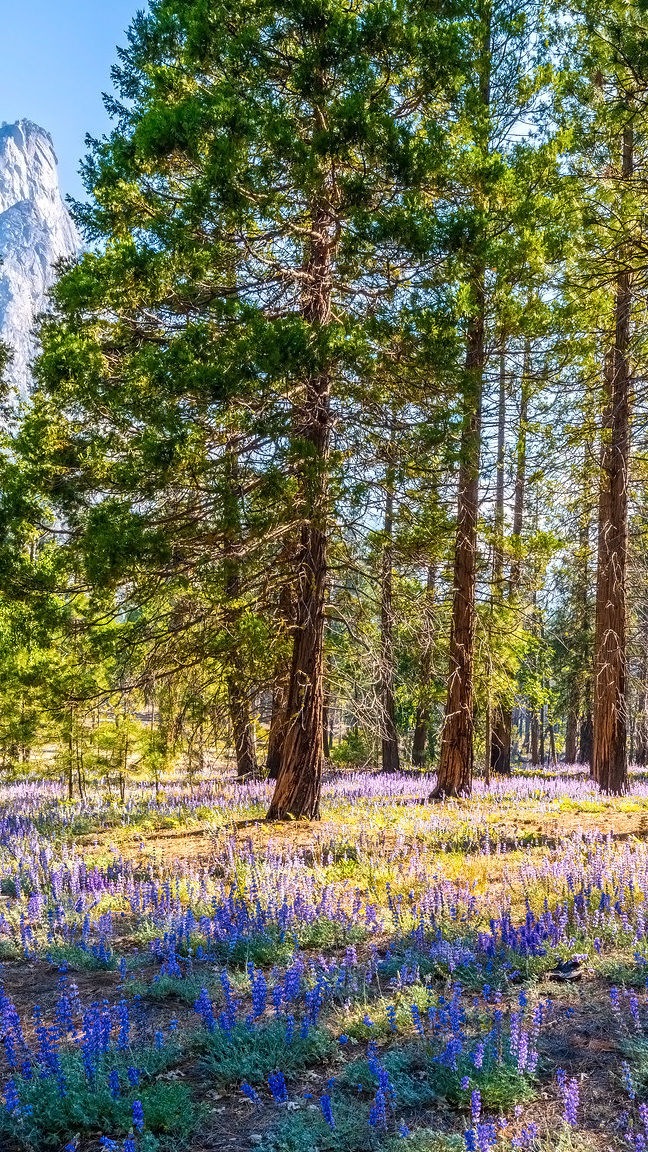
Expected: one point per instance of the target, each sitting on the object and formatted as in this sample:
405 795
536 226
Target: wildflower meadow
179 974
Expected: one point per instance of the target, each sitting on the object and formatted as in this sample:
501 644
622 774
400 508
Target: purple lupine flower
475 1105
571 1103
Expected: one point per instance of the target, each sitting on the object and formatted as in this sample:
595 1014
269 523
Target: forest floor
178 974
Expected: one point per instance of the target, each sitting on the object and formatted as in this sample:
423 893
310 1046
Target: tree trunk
456 759
552 744
499 741
586 739
571 727
279 715
609 756
325 729
299 782
502 719
238 694
242 723
419 744
641 753
534 739
278 722
390 756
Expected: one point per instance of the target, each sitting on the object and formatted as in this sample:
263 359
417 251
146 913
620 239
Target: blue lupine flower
203 1006
138 1116
628 1082
249 1091
378 1113
277 1086
327 1112
113 1083
12 1100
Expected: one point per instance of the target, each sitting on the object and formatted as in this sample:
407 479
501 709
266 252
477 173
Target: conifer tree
257 203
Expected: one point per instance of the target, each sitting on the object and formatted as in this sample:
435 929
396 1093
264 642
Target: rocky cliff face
35 232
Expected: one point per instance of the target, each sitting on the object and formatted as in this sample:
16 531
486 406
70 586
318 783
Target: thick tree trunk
456 759
390 756
299 782
419 744
609 756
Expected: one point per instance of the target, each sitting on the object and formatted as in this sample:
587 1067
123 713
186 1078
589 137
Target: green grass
251 1054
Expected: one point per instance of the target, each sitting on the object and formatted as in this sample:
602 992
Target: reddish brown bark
299 781
609 755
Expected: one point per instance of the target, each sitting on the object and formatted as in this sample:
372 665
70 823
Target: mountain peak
36 231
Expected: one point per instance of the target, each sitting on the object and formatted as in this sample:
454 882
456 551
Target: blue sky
55 60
